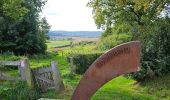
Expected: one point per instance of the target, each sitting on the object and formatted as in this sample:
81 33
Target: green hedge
9 56
82 61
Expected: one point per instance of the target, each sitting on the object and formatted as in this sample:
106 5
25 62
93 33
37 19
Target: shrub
152 67
48 55
110 41
155 54
82 61
9 56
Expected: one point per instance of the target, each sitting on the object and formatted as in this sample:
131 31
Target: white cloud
71 15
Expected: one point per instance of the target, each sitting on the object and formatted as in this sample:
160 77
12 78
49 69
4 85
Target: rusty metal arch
122 59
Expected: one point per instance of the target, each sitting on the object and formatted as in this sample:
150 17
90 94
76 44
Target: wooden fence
48 77
4 76
42 78
23 67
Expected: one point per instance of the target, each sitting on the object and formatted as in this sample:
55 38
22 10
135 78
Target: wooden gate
48 77
44 78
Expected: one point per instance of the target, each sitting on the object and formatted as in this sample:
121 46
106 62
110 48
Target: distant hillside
66 34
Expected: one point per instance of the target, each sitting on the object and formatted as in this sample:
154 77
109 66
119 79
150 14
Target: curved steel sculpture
122 59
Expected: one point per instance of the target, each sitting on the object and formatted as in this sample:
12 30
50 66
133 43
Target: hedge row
82 61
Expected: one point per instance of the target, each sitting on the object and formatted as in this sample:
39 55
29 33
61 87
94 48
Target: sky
69 15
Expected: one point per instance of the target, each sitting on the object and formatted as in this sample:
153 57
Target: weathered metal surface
121 59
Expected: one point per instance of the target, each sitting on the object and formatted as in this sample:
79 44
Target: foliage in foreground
155 51
17 91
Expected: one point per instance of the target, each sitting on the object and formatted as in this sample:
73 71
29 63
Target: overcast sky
69 15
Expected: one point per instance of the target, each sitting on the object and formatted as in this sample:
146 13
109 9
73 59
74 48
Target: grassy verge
158 86
122 88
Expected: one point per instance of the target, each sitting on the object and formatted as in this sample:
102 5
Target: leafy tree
145 20
44 28
107 13
10 7
26 35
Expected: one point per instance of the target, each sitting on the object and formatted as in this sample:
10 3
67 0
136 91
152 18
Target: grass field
54 44
121 88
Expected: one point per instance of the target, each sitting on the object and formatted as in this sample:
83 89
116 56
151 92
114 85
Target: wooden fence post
58 82
72 67
26 73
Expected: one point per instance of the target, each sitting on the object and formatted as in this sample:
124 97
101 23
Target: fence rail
4 76
43 78
24 71
10 63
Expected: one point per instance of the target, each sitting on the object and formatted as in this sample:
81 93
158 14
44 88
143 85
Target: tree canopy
10 7
144 20
22 32
110 12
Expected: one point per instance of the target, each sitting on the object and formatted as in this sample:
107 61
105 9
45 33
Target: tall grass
17 91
